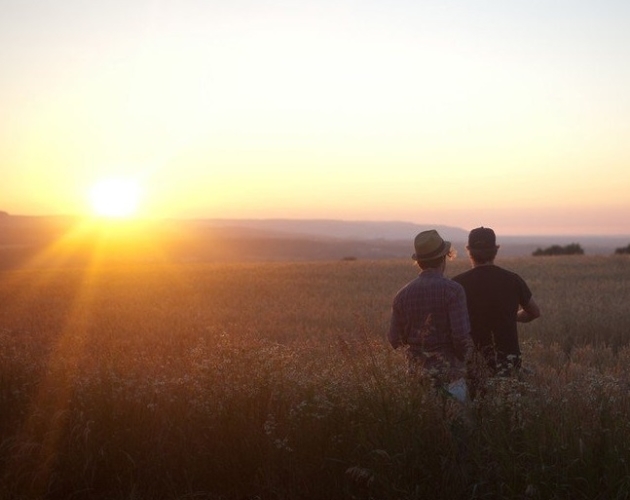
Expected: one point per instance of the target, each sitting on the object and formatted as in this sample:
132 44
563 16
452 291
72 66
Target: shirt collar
431 272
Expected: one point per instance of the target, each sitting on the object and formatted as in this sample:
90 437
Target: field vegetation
275 381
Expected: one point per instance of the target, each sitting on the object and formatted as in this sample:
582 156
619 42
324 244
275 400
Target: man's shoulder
407 287
428 281
508 273
463 276
452 284
485 271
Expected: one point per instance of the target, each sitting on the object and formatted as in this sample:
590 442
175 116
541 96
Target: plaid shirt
429 315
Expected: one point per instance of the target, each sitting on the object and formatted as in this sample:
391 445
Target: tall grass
274 381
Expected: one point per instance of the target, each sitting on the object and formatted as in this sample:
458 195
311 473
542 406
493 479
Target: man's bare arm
528 313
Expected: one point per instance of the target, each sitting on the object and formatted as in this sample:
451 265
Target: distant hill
340 229
23 238
401 233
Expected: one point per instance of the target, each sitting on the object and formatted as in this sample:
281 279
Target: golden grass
274 380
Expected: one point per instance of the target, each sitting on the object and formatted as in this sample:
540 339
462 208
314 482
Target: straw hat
430 245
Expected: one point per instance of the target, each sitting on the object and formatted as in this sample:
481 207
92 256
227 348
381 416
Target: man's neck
481 264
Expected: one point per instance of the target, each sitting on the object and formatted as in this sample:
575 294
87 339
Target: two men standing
443 321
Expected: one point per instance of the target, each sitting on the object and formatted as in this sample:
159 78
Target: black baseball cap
482 238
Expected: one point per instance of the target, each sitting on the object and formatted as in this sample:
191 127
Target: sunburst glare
115 197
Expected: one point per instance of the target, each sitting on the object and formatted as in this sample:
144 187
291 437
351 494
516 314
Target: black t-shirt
493 295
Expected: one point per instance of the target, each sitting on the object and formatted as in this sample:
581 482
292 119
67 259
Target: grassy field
274 381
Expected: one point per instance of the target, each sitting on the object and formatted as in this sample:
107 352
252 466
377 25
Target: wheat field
275 381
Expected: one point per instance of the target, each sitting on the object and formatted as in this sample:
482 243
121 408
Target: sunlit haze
506 114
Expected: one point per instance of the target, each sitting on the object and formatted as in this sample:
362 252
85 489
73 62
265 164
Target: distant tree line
571 249
622 250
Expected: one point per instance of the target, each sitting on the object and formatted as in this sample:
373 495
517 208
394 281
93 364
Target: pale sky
514 115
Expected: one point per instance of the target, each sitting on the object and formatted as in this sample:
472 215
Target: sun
115 198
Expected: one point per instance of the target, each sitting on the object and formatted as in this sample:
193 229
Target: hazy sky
514 115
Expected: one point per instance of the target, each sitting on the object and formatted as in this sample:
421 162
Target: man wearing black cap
429 316
497 299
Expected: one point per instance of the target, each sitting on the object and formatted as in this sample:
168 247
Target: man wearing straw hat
429 316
